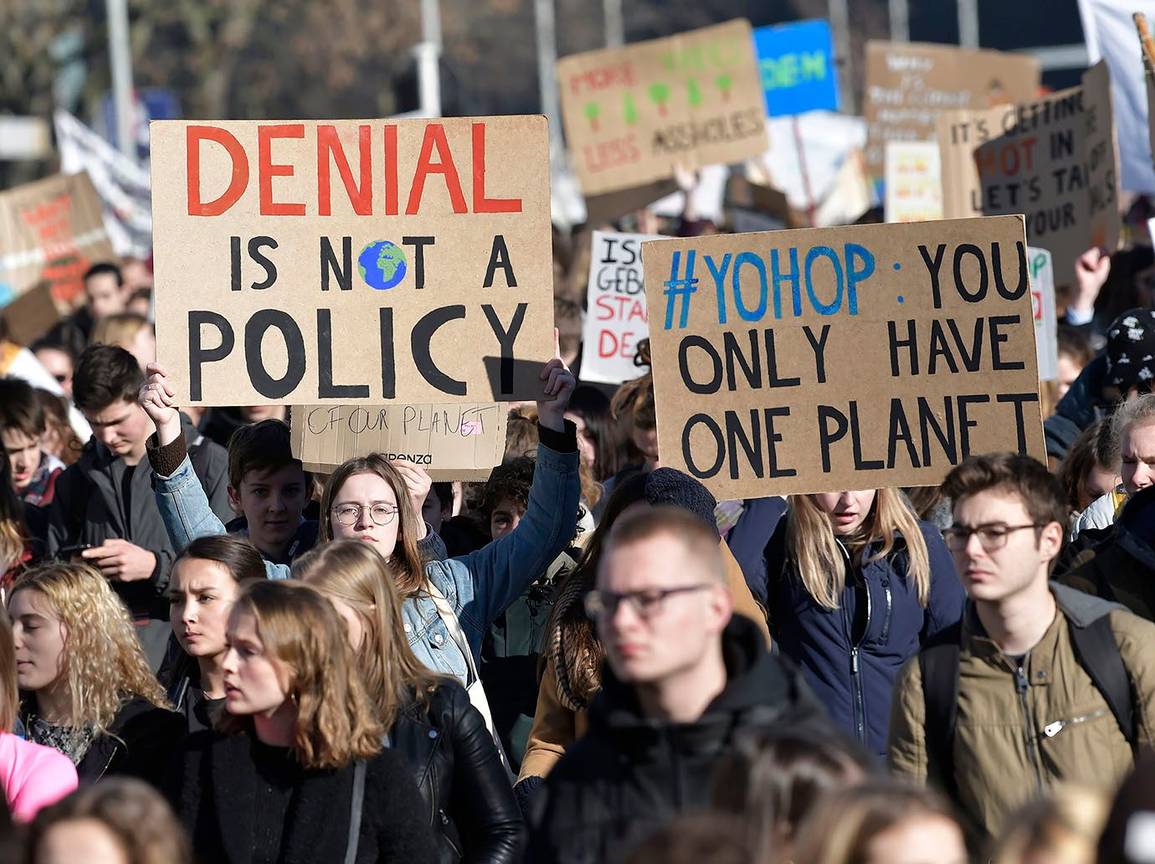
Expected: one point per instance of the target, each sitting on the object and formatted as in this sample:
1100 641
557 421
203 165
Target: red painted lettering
481 204
360 196
193 137
435 138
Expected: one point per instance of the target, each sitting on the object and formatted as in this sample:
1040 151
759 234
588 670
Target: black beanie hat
670 486
1131 350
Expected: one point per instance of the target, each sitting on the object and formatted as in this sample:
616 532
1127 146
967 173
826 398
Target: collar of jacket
755 683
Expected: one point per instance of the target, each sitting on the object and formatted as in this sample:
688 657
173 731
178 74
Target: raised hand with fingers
158 400
559 387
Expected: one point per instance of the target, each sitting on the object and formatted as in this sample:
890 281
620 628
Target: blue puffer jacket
851 656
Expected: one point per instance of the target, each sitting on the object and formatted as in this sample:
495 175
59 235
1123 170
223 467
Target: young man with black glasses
684 678
1039 683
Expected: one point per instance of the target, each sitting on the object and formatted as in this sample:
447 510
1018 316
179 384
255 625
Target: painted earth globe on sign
382 265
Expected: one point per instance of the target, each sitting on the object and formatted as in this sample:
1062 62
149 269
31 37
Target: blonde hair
845 822
301 631
9 688
1062 828
103 661
811 544
350 571
119 329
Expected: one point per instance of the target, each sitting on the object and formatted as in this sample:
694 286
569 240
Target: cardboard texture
451 442
820 360
1053 159
30 315
615 319
1043 304
353 262
1148 53
51 231
913 181
909 84
631 114
612 206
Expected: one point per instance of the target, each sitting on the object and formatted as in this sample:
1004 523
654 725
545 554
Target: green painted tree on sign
592 110
630 108
725 84
694 91
660 95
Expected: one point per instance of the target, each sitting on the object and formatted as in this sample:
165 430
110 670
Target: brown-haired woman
296 771
116 821
428 718
88 689
881 822
31 776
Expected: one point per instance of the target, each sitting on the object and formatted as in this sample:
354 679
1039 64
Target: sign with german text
1052 159
820 360
632 114
615 319
51 231
354 261
796 62
451 442
909 84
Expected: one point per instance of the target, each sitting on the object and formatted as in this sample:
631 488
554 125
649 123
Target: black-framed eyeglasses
349 514
992 537
646 603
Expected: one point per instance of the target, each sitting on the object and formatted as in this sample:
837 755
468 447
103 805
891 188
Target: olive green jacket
1007 746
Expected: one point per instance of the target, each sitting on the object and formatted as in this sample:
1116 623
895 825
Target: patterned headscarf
1131 350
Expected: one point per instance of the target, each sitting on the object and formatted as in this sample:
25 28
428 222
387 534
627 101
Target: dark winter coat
631 774
215 790
1119 563
90 508
852 655
467 794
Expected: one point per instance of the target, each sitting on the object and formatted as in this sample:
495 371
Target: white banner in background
1043 305
615 319
124 187
1111 35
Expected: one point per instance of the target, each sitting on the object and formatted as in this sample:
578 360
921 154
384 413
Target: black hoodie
631 774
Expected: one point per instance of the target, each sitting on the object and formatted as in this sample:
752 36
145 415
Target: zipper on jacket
1023 686
1053 729
855 673
889 605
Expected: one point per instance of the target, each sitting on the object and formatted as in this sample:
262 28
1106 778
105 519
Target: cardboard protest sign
1148 53
351 262
796 62
51 231
615 319
1052 159
908 84
1043 304
913 181
819 360
451 442
631 114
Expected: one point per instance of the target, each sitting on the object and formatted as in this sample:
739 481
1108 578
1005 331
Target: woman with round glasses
449 605
854 585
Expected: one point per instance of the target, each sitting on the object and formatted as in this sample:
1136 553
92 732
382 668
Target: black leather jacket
461 778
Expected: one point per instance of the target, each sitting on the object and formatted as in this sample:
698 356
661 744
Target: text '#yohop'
821 280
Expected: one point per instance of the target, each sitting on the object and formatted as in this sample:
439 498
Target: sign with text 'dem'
615 319
632 114
451 442
796 63
909 84
1052 159
359 261
820 360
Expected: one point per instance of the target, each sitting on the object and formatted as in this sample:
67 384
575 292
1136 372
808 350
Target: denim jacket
479 586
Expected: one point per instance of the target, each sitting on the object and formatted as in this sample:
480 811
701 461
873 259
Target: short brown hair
20 408
263 446
1029 479
645 523
131 810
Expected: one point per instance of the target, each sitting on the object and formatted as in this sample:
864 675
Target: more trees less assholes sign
842 358
351 262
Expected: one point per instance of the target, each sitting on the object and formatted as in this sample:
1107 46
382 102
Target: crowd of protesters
208 653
